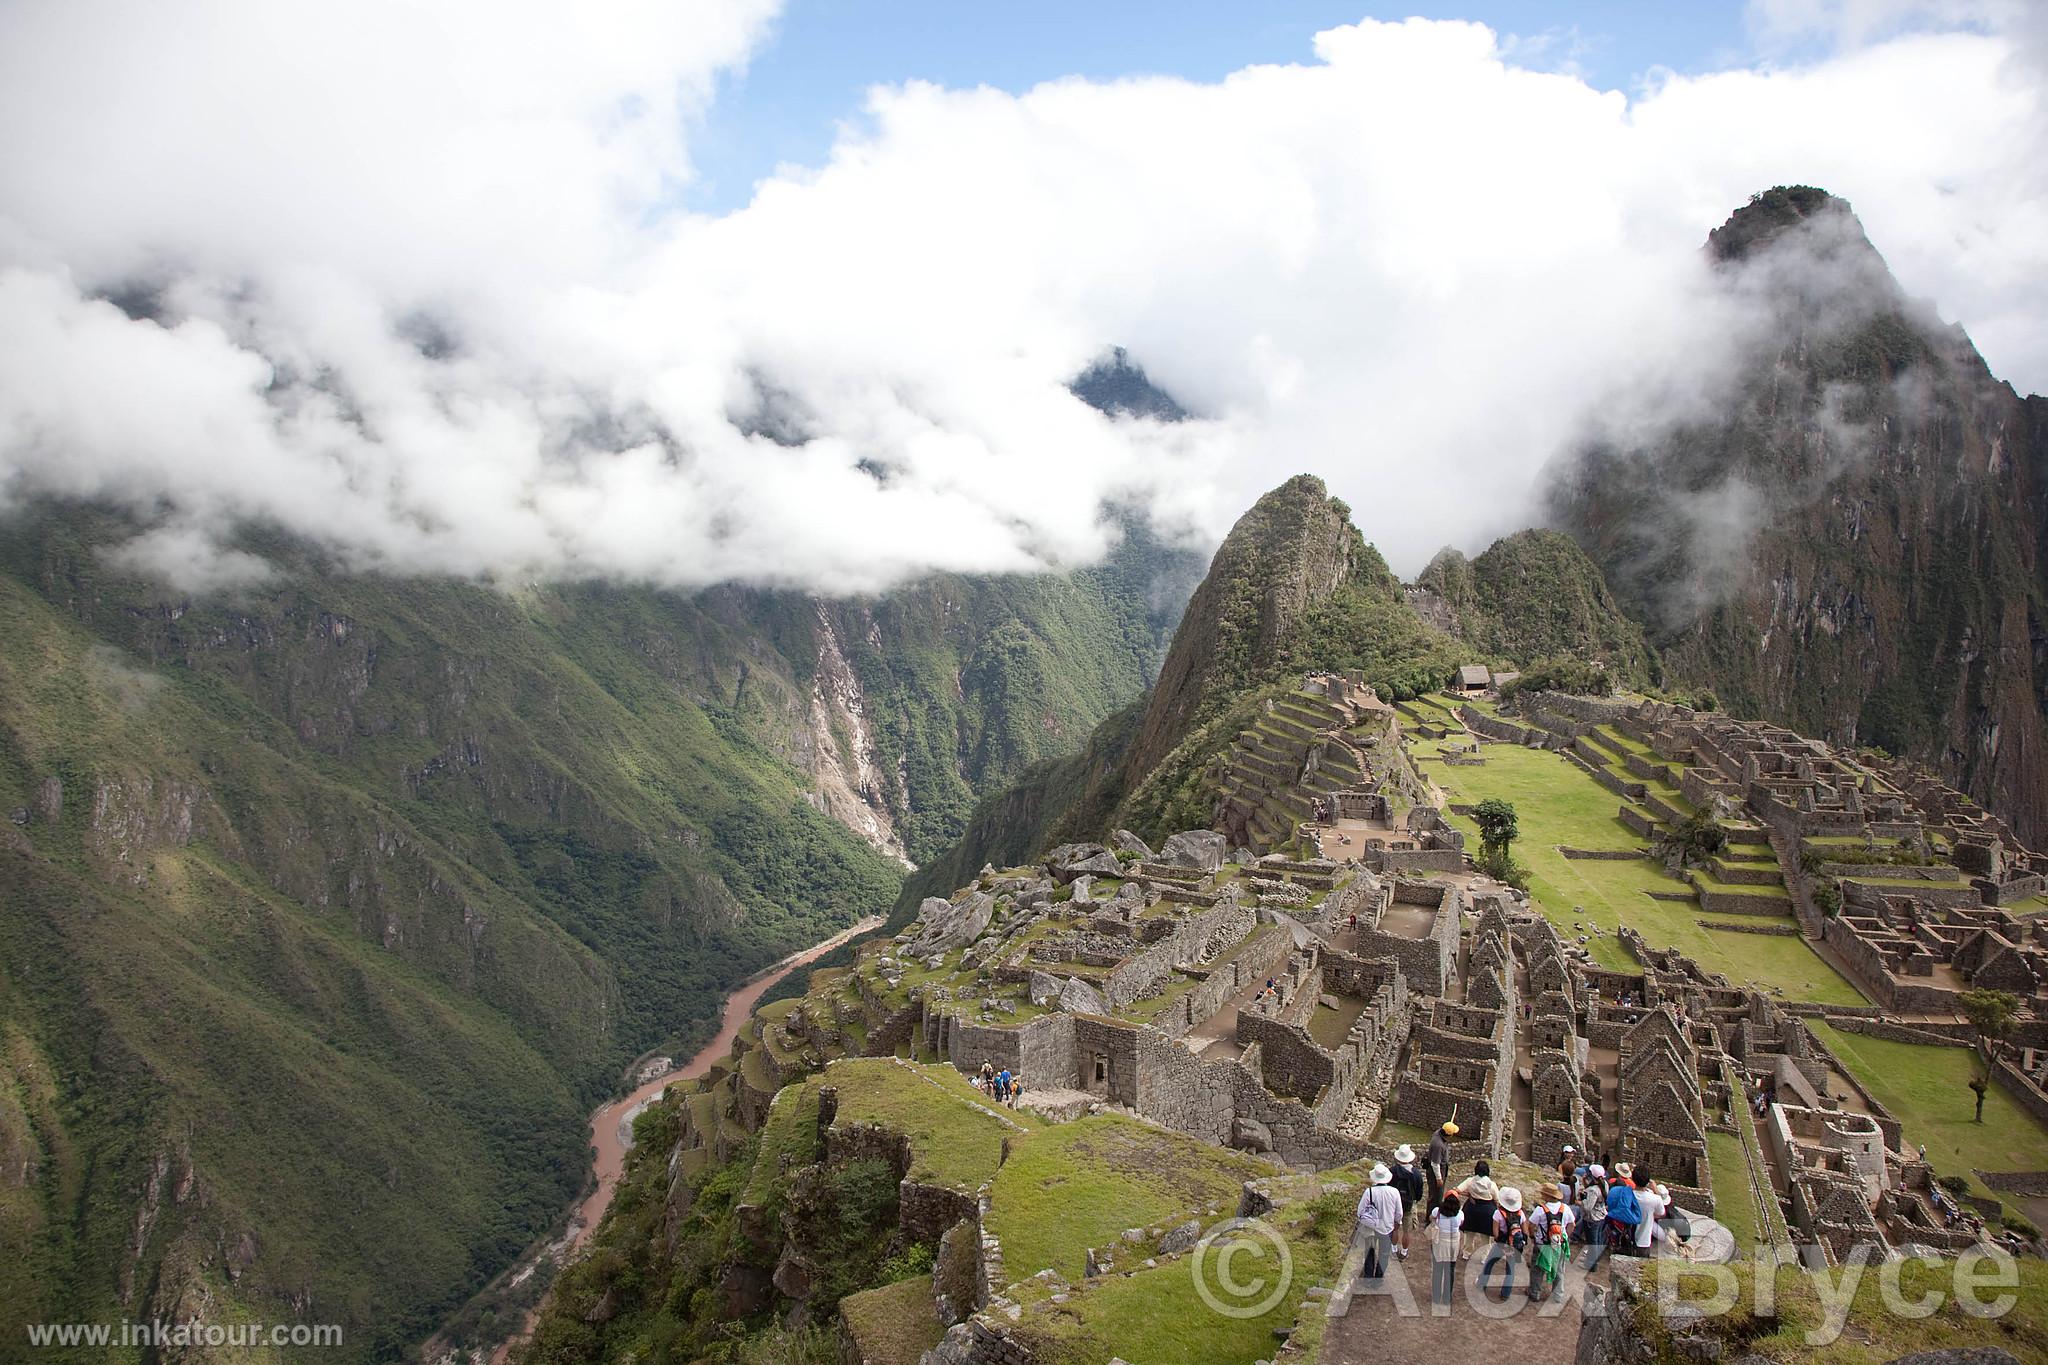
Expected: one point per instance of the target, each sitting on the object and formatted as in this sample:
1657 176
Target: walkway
1399 1323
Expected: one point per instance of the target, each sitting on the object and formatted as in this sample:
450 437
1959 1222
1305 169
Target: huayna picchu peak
746 683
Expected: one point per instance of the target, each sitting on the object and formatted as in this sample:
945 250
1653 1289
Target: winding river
611 1125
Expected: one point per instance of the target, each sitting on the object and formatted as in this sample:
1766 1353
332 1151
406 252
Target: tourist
1550 1229
1568 1168
1652 1200
1002 1085
1436 1163
1624 1213
1446 1226
988 1077
1379 1213
1509 1242
1593 1208
1016 1088
1476 1192
1408 1182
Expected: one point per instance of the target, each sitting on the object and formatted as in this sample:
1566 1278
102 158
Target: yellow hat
1450 1128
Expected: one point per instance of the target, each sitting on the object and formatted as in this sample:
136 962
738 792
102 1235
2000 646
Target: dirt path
1398 1324
611 1126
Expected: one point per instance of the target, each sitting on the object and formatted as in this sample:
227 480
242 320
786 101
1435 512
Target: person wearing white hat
1477 1193
1379 1213
1408 1181
1508 1242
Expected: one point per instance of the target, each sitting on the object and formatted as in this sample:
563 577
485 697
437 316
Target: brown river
611 1126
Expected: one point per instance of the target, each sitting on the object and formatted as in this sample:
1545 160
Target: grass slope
1927 1088
1559 804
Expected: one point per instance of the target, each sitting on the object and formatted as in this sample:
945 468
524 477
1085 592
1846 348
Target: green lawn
1078 1185
1158 1316
1735 1195
955 1141
895 1324
1559 803
1927 1089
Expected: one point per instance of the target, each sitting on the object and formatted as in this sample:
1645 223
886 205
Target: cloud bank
416 285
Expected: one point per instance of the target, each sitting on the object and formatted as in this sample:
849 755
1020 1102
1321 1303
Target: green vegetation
895 1324
1157 1314
1990 1014
355 893
1561 673
1926 1086
1560 804
1536 596
1735 1196
955 1139
1080 1184
1798 1316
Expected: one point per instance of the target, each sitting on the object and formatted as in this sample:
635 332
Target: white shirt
1380 1208
1654 1206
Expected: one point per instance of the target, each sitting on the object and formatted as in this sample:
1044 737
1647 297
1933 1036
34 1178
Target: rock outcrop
1850 543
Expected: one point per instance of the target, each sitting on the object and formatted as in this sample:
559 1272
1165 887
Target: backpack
1555 1224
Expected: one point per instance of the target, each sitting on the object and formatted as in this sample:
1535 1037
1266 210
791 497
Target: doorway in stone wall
1098 1074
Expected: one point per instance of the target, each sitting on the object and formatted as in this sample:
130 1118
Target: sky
791 294
818 57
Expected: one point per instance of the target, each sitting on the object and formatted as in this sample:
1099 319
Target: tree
1990 1013
1497 824
1499 828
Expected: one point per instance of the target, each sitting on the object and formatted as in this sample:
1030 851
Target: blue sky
811 73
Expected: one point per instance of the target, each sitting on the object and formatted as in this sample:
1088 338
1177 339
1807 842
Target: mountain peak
1770 214
1118 386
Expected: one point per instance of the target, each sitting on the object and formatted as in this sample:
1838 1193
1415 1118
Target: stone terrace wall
1141 973
1292 1062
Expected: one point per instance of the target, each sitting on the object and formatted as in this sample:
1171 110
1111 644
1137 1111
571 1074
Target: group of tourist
1507 1226
1001 1086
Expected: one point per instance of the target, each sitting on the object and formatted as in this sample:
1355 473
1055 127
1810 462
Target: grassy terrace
1927 1089
788 1139
1078 1185
1560 804
1157 1314
1735 1197
1796 1328
896 1324
955 1139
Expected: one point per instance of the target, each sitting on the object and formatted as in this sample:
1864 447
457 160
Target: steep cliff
1529 596
1849 542
352 894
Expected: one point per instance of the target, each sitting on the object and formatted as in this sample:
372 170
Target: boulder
1045 988
943 925
1201 849
1180 1239
1123 841
1249 1135
1069 861
1078 997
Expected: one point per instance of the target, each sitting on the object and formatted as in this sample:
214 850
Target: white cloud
422 295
